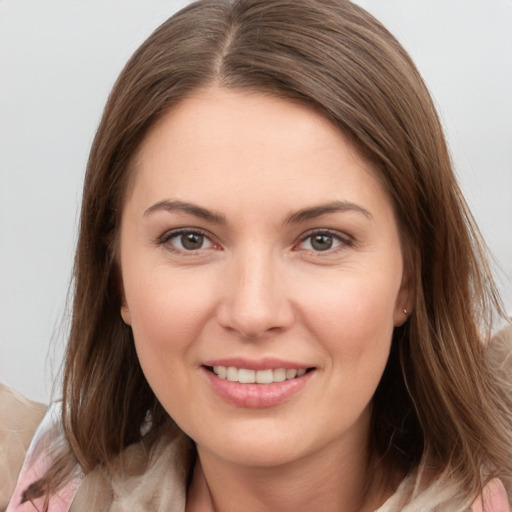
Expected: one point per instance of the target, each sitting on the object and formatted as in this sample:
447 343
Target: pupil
192 241
321 242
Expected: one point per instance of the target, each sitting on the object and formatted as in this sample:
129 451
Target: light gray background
58 61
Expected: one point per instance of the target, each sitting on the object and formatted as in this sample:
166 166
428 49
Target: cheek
167 316
358 301
354 320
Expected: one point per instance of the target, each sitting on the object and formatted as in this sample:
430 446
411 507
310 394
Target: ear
125 310
125 313
404 301
401 315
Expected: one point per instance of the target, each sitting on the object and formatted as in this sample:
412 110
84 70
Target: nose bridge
256 300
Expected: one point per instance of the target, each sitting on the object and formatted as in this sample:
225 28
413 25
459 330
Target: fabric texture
19 419
155 479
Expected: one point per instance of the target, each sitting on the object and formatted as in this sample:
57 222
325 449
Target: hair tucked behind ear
439 402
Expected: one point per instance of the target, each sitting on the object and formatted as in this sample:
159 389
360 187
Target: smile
257 384
247 376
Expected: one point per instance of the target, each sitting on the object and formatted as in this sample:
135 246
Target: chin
268 443
266 453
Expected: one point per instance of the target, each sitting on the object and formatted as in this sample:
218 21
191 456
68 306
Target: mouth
257 384
264 376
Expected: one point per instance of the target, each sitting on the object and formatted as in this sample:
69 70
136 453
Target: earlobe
403 301
125 313
125 310
401 315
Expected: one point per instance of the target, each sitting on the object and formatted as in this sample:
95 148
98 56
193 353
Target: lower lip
256 395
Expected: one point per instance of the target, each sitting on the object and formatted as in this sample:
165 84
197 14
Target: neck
328 480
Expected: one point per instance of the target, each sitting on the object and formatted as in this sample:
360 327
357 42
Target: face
262 277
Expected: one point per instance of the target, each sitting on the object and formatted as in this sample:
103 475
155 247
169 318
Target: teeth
264 376
245 376
232 374
291 374
279 375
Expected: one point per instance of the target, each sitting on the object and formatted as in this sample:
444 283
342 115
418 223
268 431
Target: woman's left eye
188 240
321 242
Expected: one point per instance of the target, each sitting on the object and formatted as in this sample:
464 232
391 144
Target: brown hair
437 401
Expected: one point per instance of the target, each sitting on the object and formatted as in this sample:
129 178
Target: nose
255 302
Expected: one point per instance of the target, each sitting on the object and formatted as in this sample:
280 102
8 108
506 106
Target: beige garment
499 355
155 479
150 480
19 419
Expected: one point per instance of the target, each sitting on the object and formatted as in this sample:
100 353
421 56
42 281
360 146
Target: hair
438 403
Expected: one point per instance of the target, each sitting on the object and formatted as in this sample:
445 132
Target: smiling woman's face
262 276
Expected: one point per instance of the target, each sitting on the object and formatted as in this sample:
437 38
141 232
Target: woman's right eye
187 241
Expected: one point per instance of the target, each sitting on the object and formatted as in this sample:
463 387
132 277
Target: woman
279 291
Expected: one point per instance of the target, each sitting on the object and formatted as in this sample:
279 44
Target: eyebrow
197 211
295 218
324 209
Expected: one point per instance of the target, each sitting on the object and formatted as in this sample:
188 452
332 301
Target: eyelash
343 240
176 233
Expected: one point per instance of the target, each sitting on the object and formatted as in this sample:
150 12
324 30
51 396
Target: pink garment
494 498
37 462
38 458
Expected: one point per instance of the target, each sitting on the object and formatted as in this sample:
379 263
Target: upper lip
259 364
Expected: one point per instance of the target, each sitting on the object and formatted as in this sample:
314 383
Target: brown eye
192 241
187 240
322 242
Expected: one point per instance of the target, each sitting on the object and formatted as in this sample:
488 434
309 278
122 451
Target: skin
258 287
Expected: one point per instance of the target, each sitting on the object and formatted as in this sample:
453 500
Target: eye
187 240
322 241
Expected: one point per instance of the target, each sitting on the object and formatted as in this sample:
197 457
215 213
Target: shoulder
148 475
499 352
493 498
19 419
443 494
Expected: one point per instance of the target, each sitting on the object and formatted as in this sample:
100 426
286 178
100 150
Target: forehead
232 137
216 117
217 130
